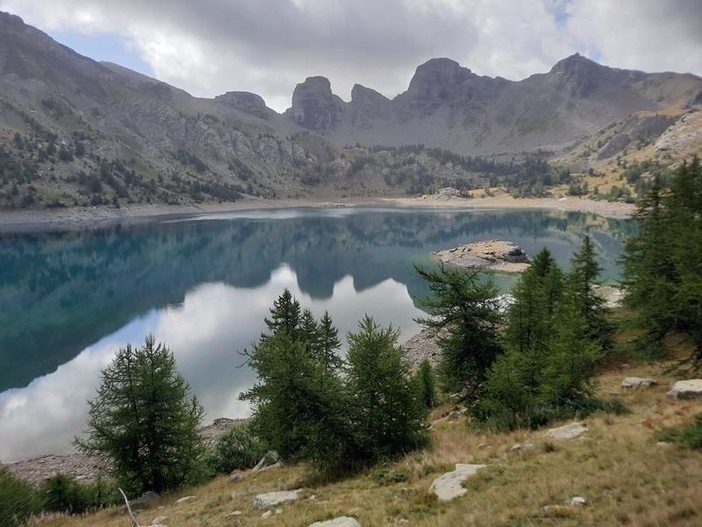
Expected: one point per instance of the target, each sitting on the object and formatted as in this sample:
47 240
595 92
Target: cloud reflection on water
206 333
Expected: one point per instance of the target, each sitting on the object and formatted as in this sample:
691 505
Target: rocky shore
490 255
88 468
94 217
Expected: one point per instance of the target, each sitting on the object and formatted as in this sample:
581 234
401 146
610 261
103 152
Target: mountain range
74 131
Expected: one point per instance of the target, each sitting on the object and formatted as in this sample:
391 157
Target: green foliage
18 500
689 436
309 405
64 494
144 419
425 385
237 448
663 265
464 309
555 335
387 417
298 398
582 283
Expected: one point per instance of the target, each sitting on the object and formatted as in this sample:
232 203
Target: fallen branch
135 523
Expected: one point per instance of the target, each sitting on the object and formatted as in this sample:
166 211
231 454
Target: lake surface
69 301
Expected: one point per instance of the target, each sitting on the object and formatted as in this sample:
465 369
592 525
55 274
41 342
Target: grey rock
341 521
448 486
689 389
233 514
271 499
185 498
271 459
235 476
565 432
158 520
630 383
266 514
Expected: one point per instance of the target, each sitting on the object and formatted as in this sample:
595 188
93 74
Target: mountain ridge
74 131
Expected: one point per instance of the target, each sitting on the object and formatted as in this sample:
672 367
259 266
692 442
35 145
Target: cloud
267 46
205 334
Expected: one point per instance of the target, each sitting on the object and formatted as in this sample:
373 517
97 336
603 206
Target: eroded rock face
689 389
246 102
314 106
448 486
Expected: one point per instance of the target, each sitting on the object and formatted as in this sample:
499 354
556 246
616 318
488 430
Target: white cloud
267 46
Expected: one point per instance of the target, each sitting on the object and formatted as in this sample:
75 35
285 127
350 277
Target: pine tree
583 280
387 417
465 310
426 387
144 420
663 264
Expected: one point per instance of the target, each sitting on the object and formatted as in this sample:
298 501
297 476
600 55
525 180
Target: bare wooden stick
135 523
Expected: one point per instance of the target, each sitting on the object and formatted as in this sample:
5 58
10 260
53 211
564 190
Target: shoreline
79 218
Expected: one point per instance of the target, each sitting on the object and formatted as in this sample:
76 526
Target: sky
209 47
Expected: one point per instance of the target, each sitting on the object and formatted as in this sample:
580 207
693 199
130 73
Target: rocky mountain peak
246 102
581 74
314 106
438 79
10 22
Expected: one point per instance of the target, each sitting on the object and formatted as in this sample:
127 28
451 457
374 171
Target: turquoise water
69 300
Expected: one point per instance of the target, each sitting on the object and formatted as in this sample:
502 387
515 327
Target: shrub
18 500
237 448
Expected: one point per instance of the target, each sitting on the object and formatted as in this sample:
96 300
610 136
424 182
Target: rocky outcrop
247 102
314 106
495 255
369 107
422 346
448 486
689 389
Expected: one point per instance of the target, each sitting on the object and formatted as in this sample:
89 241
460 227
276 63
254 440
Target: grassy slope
626 478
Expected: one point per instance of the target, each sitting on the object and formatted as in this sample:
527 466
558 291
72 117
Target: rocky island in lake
492 255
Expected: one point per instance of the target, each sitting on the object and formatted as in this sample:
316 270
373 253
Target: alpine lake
204 284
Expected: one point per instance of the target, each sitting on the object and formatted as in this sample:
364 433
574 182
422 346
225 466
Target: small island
492 255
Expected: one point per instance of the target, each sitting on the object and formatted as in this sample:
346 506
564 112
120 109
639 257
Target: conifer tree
145 420
465 310
387 417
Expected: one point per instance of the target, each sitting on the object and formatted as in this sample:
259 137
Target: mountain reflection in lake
68 301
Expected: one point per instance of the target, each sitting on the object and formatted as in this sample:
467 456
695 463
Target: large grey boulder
689 389
631 383
448 486
271 499
341 521
565 432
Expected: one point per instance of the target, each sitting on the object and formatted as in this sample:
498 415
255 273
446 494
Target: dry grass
626 478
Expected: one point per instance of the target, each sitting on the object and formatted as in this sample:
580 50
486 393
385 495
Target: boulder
631 383
271 499
448 486
270 460
341 521
565 432
689 389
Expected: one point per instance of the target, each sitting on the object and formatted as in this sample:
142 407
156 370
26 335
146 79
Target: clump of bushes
237 448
